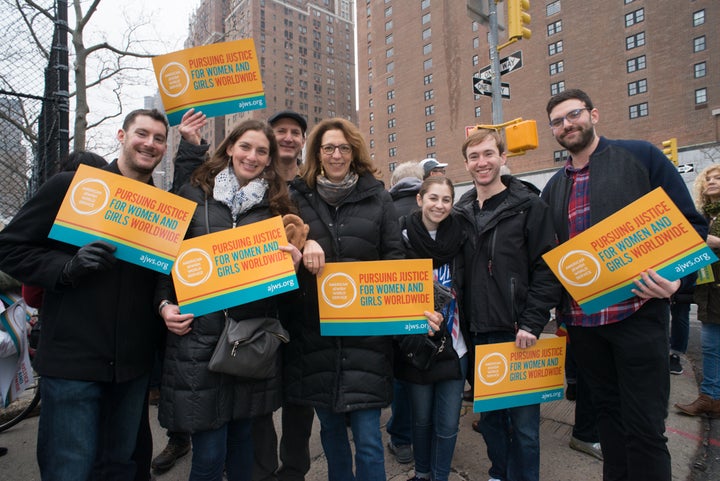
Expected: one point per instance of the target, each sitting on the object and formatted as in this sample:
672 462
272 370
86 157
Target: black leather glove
93 257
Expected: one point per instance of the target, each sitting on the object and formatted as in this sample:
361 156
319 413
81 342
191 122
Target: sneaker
593 449
403 453
675 366
175 449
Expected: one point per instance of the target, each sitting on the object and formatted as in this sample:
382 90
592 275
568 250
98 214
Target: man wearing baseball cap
289 128
432 167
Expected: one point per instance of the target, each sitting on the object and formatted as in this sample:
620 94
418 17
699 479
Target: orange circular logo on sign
492 368
89 196
579 268
339 290
174 79
193 267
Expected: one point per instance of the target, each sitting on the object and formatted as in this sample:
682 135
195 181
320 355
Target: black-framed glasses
571 117
329 149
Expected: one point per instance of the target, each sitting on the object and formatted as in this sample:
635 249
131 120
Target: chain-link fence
33 97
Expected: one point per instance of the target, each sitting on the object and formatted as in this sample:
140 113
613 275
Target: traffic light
521 136
670 150
518 19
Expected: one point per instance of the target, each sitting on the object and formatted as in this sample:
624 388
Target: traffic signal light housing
521 136
518 19
670 150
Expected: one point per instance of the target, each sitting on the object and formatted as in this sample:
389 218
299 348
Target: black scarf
448 240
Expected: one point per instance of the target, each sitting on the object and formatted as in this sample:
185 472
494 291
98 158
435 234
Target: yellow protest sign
146 224
233 267
375 298
598 266
507 376
219 79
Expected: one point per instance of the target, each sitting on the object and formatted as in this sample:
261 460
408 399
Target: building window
389 39
634 41
557 67
430 142
478 112
427 79
429 110
392 166
698 18
552 8
553 28
639 110
430 126
426 19
427 64
638 87
701 96
476 42
427 48
389 52
390 81
388 11
392 137
637 63
555 48
699 44
392 152
700 69
391 109
426 33
390 94
560 155
392 123
424 4
429 94
371 116
557 87
390 67
634 17
475 60
372 144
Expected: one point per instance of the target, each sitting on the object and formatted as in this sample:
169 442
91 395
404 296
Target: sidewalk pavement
557 461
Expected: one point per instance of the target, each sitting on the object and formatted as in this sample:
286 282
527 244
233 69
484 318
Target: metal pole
497 113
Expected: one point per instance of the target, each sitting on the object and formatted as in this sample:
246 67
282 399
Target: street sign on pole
482 86
508 64
686 168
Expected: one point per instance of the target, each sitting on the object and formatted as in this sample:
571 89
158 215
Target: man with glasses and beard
622 351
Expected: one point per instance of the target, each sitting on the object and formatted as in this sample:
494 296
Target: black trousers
297 424
626 367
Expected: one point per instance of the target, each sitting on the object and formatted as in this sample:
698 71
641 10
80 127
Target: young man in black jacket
508 289
100 327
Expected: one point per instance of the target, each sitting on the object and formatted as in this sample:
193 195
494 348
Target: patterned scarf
711 210
239 199
335 192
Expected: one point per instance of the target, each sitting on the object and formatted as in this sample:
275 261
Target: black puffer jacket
340 373
194 398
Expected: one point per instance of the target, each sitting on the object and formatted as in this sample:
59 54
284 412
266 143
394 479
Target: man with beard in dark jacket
100 327
508 289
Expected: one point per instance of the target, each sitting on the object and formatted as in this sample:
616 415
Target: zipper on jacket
513 306
491 251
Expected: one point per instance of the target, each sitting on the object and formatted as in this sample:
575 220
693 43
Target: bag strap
207 216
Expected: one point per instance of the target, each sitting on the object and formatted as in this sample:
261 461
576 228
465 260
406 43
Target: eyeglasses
329 149
571 117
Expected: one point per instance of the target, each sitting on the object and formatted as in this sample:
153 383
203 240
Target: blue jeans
626 365
512 435
400 425
85 425
679 326
229 446
711 360
369 452
436 416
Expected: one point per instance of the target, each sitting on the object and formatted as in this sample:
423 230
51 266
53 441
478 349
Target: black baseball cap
289 114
